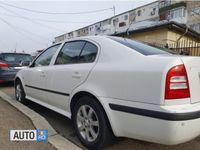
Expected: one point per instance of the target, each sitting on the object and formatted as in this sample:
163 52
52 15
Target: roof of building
161 24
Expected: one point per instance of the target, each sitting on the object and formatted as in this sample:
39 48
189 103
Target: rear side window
88 53
15 58
140 47
70 52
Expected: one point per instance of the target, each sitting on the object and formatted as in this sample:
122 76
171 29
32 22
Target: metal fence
185 47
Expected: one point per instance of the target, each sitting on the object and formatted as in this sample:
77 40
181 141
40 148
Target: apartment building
161 11
193 8
181 11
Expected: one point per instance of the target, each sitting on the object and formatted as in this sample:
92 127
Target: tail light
177 85
3 65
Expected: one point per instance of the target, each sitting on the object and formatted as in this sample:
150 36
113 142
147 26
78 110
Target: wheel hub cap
87 123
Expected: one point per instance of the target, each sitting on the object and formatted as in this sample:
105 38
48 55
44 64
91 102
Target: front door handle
76 75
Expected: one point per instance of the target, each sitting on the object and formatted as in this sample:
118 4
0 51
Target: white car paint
122 76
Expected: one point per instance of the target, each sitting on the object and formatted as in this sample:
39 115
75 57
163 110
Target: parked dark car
11 63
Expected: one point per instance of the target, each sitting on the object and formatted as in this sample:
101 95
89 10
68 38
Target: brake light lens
177 85
2 65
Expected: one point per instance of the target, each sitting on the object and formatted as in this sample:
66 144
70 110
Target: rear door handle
76 75
42 74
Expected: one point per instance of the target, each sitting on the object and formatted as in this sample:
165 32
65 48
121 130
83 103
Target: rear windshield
16 58
140 47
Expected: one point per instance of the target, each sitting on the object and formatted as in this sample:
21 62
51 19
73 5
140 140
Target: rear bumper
7 76
167 125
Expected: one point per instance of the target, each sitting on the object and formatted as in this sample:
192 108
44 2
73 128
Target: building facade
181 11
158 12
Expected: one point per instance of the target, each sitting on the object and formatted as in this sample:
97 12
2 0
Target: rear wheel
19 92
91 124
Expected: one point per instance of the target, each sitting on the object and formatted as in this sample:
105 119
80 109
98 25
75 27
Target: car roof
86 37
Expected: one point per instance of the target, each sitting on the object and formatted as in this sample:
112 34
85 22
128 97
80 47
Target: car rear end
182 100
167 109
10 64
175 120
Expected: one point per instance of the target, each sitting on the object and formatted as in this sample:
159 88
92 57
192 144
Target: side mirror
25 63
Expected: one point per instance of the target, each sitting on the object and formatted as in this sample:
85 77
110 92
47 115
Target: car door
71 68
35 76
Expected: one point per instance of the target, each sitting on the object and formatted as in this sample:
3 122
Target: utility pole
114 10
15 48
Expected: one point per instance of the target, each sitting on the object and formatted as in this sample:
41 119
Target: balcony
169 5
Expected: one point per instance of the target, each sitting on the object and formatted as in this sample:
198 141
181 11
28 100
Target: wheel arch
17 79
76 97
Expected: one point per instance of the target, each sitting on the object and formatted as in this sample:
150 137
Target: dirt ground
11 118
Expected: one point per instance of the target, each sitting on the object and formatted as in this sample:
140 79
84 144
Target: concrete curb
40 122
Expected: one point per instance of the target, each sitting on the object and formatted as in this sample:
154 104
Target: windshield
16 58
140 47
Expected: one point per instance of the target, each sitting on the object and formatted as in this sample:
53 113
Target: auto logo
42 135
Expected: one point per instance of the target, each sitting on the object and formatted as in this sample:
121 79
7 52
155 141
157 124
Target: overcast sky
28 31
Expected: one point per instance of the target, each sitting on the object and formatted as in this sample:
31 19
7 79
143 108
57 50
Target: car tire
91 123
19 92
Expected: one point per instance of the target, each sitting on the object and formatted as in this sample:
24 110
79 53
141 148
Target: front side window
70 52
45 58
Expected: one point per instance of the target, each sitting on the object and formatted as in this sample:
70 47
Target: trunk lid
192 65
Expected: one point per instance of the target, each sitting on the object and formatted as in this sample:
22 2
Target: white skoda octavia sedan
116 87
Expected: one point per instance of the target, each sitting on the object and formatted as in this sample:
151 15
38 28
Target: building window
122 24
98 28
132 17
195 11
139 12
196 27
165 3
177 13
153 12
126 17
115 22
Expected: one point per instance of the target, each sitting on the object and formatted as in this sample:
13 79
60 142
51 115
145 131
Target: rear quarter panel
122 73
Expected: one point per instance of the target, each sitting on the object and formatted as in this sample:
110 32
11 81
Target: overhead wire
33 21
56 13
44 20
20 33
32 33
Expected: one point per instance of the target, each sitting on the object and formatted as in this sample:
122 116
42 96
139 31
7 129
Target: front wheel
91 124
19 92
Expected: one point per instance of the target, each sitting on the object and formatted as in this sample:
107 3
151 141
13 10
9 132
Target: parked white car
115 86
